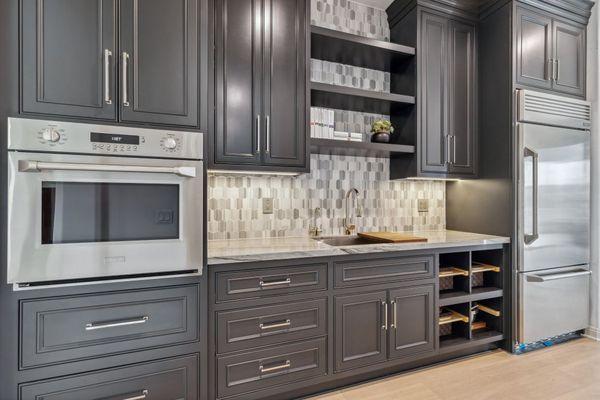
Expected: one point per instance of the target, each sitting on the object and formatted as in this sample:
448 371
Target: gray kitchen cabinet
159 61
260 119
360 330
68 51
550 52
412 326
76 65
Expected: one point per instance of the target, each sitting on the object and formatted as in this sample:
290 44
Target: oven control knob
170 143
51 135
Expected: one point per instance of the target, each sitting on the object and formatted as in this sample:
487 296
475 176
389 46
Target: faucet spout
349 224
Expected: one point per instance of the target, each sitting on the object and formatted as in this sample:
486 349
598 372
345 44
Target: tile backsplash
351 17
235 207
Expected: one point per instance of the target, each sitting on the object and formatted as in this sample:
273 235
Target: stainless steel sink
347 241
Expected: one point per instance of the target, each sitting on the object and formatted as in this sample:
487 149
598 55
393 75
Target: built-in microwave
92 201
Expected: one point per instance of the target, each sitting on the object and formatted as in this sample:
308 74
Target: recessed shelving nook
470 298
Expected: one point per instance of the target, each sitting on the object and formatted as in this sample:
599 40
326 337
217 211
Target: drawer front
77 327
262 326
263 369
384 270
270 281
173 379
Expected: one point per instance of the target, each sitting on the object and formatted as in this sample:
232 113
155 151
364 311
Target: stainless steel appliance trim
258 134
39 166
107 56
124 83
92 326
140 397
265 370
530 238
549 109
555 276
274 325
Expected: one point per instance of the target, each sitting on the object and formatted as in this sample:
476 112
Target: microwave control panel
69 137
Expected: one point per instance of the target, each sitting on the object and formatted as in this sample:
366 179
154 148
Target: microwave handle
39 166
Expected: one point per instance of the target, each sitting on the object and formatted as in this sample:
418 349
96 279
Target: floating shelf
346 48
452 271
458 296
347 98
481 267
346 147
449 316
479 338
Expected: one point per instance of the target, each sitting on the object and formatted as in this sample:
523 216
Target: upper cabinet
260 120
76 65
550 52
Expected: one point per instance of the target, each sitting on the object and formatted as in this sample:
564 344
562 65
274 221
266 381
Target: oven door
79 217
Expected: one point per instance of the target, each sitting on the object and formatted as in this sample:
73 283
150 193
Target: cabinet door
285 42
533 48
67 68
462 83
412 329
237 81
360 330
433 93
159 61
569 53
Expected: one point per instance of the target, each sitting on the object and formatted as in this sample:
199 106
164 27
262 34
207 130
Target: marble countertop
244 250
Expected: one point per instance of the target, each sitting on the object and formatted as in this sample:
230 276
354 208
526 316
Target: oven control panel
69 137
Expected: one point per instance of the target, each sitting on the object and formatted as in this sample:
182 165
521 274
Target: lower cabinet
377 326
171 379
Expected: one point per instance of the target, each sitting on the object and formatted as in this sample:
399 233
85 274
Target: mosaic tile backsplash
351 17
235 202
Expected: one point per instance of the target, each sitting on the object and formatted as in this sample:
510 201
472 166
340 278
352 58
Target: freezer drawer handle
530 238
553 277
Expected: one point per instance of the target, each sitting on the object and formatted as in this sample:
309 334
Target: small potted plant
381 130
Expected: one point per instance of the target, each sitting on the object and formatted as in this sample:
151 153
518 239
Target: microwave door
554 197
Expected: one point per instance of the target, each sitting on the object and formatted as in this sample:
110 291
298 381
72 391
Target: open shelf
348 98
365 149
346 48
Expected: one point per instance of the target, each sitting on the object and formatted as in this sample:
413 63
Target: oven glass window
74 212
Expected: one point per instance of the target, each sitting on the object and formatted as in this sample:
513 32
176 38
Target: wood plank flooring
569 371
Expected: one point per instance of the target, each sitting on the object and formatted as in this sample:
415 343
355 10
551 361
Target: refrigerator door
554 197
553 302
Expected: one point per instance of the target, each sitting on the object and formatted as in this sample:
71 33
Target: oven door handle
39 166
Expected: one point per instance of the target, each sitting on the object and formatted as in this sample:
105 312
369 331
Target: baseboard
592 333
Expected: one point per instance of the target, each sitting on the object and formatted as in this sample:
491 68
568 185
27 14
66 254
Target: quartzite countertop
244 250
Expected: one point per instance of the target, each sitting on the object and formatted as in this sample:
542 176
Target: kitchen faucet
350 227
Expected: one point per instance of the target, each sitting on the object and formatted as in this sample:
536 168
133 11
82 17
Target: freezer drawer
553 302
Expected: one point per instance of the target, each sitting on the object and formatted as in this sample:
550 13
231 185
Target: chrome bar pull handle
268 133
142 396
549 70
448 158
394 315
93 326
557 70
530 238
274 325
453 149
124 66
258 134
285 281
107 56
276 368
384 305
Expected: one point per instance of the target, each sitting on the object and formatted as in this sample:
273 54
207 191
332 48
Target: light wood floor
569 371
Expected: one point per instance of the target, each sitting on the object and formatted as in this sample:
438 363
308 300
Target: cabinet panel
159 83
237 81
360 330
412 329
63 69
433 93
285 82
373 271
533 48
462 78
569 53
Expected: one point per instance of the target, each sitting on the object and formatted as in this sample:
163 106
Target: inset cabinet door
412 326
159 61
462 92
569 55
533 48
285 82
360 330
68 58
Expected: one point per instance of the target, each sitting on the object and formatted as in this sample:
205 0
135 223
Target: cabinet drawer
173 379
76 327
384 270
270 281
262 369
262 326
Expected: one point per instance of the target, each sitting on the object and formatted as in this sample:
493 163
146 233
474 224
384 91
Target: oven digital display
114 138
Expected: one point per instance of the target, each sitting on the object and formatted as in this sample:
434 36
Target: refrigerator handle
530 238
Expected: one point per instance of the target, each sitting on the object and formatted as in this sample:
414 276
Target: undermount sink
347 240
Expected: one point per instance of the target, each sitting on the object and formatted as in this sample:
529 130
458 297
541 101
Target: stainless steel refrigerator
553 215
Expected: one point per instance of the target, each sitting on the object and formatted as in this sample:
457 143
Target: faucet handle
315 231
350 228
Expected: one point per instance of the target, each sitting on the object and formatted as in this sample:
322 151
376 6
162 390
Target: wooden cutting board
392 237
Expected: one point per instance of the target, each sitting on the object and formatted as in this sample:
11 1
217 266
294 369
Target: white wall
593 86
